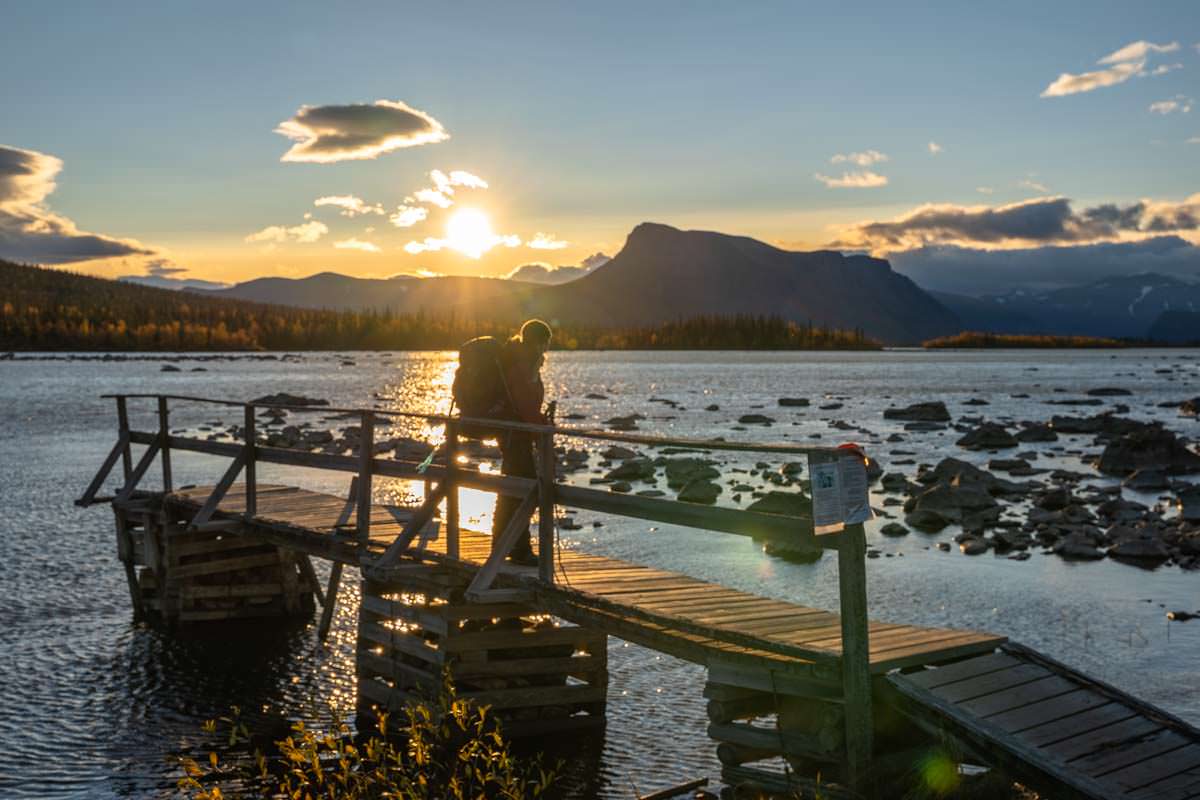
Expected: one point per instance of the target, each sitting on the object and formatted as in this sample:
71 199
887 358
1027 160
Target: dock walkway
838 700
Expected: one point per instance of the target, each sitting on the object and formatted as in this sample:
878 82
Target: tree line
48 309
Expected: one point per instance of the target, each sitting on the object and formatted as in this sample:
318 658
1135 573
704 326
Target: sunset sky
226 141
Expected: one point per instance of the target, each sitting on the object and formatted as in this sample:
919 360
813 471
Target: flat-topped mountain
661 274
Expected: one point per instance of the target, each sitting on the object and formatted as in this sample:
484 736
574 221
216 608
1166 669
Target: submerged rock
934 411
988 436
285 399
700 491
793 402
1151 446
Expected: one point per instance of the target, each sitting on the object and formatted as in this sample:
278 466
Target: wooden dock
817 692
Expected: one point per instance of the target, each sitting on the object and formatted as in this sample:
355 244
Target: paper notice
839 490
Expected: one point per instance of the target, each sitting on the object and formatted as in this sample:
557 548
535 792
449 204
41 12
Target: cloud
984 189
934 148
862 179
1040 221
30 231
1180 103
976 272
1037 186
545 241
357 244
863 159
541 272
1194 140
326 134
473 249
305 233
433 197
1066 83
1163 69
1120 66
407 216
350 205
1138 51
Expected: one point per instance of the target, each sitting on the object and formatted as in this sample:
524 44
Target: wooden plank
961 670
251 451
964 645
406 643
408 612
1032 692
535 696
210 505
331 595
1183 783
420 519
856 663
504 545
164 443
546 499
572 665
225 565
139 471
1069 714
1116 754
123 432
980 685
504 639
121 448
452 509
366 452
1110 740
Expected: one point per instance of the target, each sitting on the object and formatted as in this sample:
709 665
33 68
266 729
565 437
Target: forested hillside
47 309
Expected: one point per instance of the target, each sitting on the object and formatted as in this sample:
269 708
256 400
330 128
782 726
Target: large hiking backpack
479 389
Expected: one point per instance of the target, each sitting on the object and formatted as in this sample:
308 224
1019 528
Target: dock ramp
1062 732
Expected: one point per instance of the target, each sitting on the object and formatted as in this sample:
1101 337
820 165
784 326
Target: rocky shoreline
1011 507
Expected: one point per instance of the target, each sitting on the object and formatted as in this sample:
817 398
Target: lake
97 706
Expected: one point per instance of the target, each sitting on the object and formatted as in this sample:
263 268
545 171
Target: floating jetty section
796 696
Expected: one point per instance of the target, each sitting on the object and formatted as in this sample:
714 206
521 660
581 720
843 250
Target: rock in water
285 399
755 419
700 491
934 411
1149 447
681 471
1147 479
988 436
635 469
1149 551
894 529
793 402
1037 433
788 504
1108 391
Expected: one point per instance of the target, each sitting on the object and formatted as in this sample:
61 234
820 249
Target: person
521 360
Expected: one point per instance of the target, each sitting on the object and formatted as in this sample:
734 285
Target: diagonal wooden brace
138 473
501 548
118 449
218 493
419 520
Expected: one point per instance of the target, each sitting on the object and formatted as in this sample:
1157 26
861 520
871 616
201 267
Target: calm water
96 706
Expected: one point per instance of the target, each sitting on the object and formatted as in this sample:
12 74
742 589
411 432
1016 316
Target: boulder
927 520
1140 550
788 504
618 453
626 423
1147 479
793 402
1037 433
1008 464
1189 503
894 529
700 491
285 399
755 419
988 436
1190 407
1108 391
169 368
894 482
635 469
1149 447
1119 510
681 471
973 546
1078 548
934 411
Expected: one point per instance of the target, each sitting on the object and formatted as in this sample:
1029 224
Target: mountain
1119 306
661 274
984 315
160 282
1176 327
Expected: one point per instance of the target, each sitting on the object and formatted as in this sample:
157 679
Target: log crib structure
796 695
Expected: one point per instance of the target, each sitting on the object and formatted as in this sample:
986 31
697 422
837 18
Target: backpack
479 389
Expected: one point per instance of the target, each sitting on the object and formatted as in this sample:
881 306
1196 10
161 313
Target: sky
227 141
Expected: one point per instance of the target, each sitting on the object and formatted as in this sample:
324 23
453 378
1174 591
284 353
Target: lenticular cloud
325 134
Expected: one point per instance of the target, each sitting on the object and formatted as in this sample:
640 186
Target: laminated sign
839 490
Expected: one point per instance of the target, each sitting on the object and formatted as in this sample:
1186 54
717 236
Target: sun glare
469 232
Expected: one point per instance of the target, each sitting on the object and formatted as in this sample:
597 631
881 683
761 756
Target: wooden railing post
123 431
163 434
546 507
366 451
451 489
251 437
856 663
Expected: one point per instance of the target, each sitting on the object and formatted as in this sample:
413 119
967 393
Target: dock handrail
540 494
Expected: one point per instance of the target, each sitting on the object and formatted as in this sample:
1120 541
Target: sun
470 232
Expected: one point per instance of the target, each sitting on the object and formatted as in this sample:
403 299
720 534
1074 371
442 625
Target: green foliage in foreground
446 748
47 309
1000 340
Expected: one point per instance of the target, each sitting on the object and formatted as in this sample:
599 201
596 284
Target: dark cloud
325 134
976 272
539 272
1043 220
31 232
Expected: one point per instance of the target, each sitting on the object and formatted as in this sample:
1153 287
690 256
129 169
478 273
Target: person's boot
522 555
